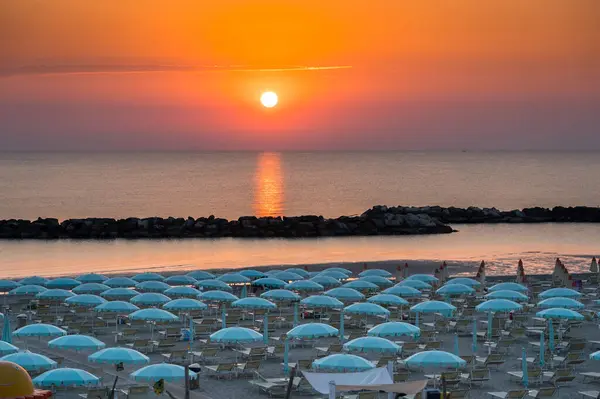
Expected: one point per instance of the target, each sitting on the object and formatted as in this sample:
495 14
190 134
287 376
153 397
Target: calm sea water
331 184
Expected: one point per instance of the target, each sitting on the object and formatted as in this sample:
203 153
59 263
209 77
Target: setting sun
268 99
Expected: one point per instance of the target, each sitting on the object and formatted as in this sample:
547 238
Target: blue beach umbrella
148 276
184 304
333 274
379 281
342 362
508 286
507 294
595 355
388 299
118 355
418 284
91 278
281 296
560 292
39 330
120 282
272 271
434 359
341 270
375 272
560 302
498 305
162 371
300 272
33 280
269 282
455 289
63 283
153 314
6 334
213 285
560 314
234 278
85 300
119 293
444 308
257 303
306 331
150 299
6 348
304 286
403 291
200 275
76 342
218 296
29 289
395 329
236 335
372 344
65 377
90 288
55 294
322 301
326 281
120 307
152 286
524 368
7 285
181 279
361 286
345 294
182 292
252 274
426 278
287 276
30 361
367 308
469 282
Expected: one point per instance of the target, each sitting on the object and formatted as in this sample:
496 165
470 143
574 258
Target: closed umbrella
342 362
542 350
524 367
118 355
76 342
6 334
65 377
162 371
30 361
474 343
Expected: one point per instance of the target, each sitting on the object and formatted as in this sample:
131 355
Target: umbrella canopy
379 281
33 280
76 342
394 329
281 295
342 362
455 289
345 294
560 302
85 300
162 371
326 281
184 304
403 291
312 330
253 303
152 286
153 314
508 286
7 348
465 281
63 282
560 313
426 278
333 274
269 282
372 344
252 274
443 308
434 359
322 301
148 276
118 355
287 276
235 335
91 278
7 285
272 271
507 294
214 285
418 284
181 279
218 296
182 292
560 292
121 307
91 288
120 282
595 355
388 299
200 275
27 290
234 278
119 293
341 270
39 330
304 286
361 285
66 377
150 298
375 272
498 305
300 272
30 361
55 294
366 308
6 335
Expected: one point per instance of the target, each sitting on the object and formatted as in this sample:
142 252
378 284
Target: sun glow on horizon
269 99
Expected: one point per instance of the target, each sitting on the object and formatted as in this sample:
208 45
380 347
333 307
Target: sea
233 184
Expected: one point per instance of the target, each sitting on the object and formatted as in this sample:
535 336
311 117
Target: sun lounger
248 368
561 376
512 394
175 356
206 354
491 360
570 360
476 376
535 375
542 392
362 395
221 370
141 345
590 375
589 394
303 364
95 393
137 392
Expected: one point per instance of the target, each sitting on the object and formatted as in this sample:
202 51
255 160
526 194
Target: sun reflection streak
268 185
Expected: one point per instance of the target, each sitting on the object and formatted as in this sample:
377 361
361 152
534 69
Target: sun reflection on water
268 185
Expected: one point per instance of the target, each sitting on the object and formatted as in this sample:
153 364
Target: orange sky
411 60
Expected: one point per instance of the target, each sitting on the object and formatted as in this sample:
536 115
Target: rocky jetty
379 220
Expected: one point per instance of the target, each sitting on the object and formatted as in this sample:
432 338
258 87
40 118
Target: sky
350 74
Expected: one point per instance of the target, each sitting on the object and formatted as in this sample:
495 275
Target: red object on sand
398 267
306 267
365 266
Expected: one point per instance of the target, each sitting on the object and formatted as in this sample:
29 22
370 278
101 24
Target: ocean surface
72 185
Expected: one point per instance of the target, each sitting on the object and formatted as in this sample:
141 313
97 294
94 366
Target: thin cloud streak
136 69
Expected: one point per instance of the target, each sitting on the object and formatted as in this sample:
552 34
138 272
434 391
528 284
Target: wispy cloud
135 69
